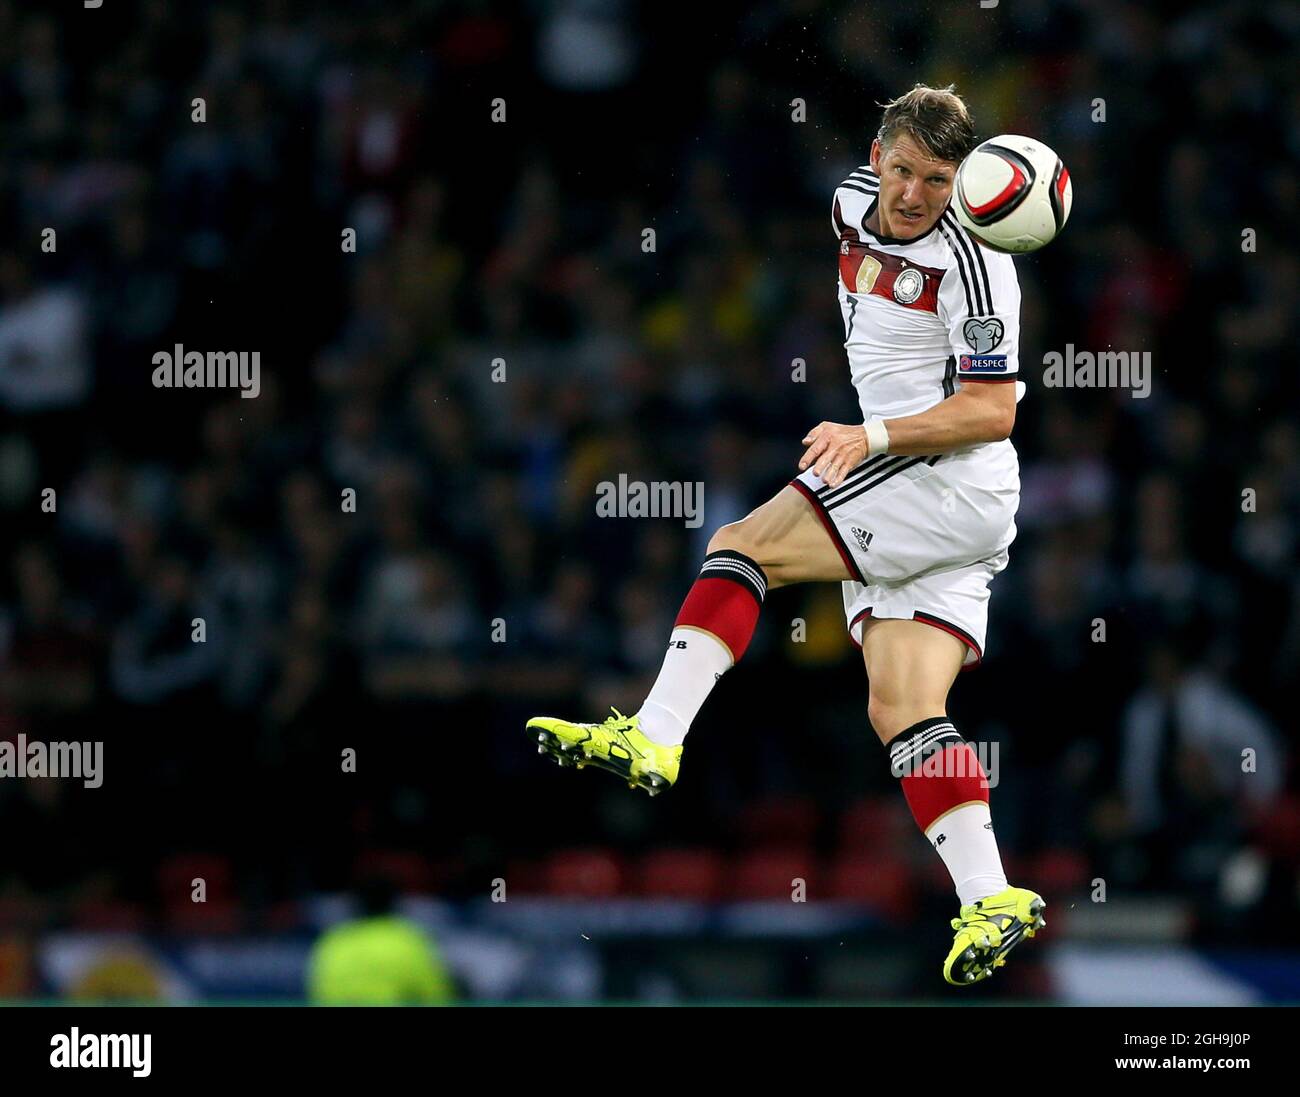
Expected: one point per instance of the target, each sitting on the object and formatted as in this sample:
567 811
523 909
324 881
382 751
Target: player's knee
769 553
881 715
738 537
889 715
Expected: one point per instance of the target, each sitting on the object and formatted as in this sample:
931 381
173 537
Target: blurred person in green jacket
378 959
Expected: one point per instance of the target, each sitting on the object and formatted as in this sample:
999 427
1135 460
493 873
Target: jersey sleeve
851 200
843 212
979 301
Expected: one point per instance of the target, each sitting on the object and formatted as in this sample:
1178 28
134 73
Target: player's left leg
911 666
783 541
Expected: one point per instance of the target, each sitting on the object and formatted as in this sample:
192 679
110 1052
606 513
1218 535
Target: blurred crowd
506 336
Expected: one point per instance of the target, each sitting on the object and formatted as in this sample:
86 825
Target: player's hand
834 450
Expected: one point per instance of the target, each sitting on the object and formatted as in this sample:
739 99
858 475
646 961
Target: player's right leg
780 543
911 665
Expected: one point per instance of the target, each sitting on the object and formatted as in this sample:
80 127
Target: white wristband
877 437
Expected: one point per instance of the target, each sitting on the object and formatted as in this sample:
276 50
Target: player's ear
875 155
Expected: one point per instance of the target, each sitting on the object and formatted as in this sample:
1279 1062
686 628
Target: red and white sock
712 631
947 790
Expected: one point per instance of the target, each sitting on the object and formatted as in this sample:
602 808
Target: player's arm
978 413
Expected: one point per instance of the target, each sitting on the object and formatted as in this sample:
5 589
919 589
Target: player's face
914 188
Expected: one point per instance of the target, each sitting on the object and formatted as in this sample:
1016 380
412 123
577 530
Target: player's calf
712 631
710 635
947 791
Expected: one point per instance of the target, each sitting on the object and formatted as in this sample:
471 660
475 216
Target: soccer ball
1012 193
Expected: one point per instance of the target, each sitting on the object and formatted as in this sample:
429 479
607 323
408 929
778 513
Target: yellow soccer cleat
988 929
616 745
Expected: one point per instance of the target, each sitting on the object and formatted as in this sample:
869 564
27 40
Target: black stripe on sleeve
949 376
961 268
984 273
965 246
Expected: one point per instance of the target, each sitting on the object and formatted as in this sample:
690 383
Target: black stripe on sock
907 749
739 568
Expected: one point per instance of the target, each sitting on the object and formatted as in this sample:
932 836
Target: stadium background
522 241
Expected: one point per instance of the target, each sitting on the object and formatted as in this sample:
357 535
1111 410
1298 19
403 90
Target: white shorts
924 536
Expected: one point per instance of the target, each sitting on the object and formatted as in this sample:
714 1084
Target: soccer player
912 510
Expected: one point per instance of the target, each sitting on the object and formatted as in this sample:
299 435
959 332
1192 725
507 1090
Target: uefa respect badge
982 363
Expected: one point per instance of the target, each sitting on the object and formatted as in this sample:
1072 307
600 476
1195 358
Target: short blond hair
936 118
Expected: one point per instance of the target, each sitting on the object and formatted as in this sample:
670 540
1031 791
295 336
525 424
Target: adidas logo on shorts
862 537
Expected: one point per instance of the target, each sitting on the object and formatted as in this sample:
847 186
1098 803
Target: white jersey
923 537
922 317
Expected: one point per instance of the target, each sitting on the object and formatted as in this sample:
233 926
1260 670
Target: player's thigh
911 666
786 538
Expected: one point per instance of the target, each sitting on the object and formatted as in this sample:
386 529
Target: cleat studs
541 749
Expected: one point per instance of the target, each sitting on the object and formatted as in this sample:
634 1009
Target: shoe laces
977 914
